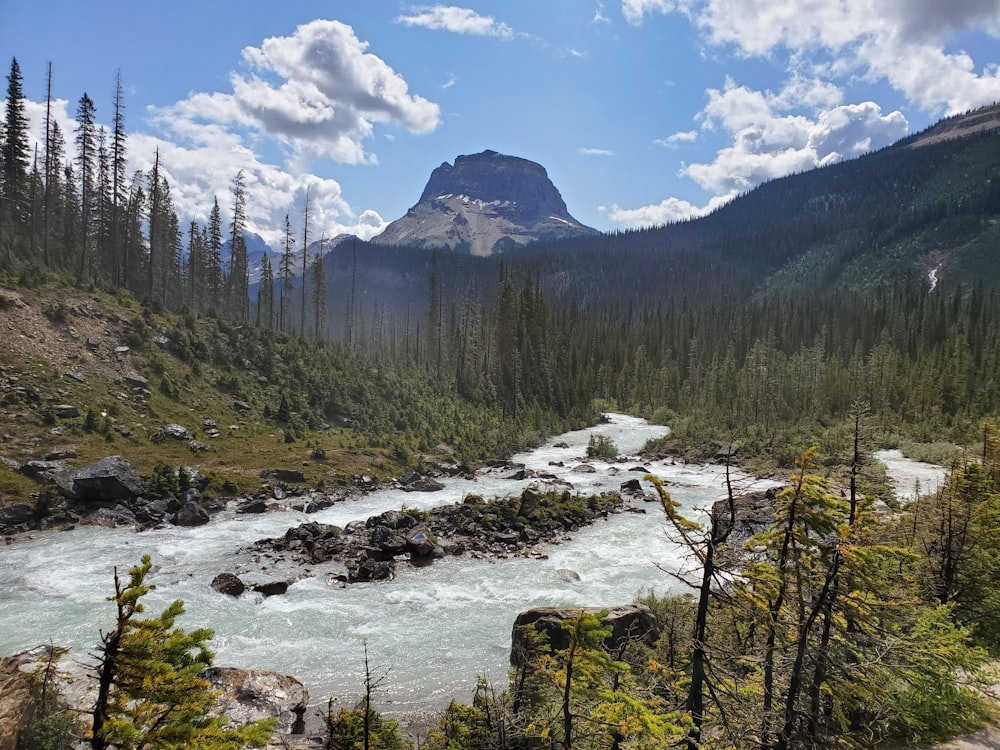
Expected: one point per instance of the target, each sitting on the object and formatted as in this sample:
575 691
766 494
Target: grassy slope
45 361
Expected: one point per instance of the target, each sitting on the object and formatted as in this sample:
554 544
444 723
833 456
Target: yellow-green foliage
157 697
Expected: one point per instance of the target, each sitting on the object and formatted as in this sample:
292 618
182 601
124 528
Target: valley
793 340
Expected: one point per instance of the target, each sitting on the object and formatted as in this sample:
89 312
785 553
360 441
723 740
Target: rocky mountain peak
485 203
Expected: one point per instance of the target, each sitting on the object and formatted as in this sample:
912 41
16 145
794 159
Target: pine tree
154 227
51 170
305 260
286 273
14 155
319 294
265 294
86 155
239 271
213 257
119 196
150 690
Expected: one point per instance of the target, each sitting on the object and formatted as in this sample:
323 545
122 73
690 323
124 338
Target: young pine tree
150 690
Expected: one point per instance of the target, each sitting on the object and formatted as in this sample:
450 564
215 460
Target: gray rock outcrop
249 695
17 707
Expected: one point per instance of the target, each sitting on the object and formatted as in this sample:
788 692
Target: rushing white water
437 628
910 478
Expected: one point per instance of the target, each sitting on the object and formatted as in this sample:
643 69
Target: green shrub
601 446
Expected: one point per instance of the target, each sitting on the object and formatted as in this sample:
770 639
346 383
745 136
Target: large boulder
248 695
109 480
421 543
110 518
371 570
415 482
191 514
11 516
17 707
171 432
229 584
387 541
245 695
629 623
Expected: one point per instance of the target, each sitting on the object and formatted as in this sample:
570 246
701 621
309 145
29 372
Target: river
436 628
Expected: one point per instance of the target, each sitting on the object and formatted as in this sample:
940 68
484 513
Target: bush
941 453
601 446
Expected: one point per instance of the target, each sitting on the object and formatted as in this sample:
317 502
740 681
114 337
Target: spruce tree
14 152
150 690
86 155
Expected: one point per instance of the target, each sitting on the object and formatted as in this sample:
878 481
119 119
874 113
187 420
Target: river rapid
436 628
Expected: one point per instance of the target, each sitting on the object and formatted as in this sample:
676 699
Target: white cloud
449 83
770 135
595 152
200 165
667 211
900 41
635 11
599 16
198 173
768 141
319 91
457 20
672 141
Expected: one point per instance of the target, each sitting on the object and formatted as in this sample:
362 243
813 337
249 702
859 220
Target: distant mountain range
257 247
485 204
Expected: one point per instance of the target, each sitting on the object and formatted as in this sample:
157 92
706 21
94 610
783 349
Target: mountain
256 248
484 204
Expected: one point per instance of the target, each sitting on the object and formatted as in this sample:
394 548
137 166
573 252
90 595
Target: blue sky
642 111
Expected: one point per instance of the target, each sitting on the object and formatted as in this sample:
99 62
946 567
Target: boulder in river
229 584
191 514
629 623
420 542
415 482
371 570
271 588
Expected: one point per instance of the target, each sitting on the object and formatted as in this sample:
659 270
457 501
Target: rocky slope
483 204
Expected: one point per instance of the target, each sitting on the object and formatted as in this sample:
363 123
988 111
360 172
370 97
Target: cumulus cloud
458 21
668 211
872 37
201 171
319 91
770 135
595 152
769 142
